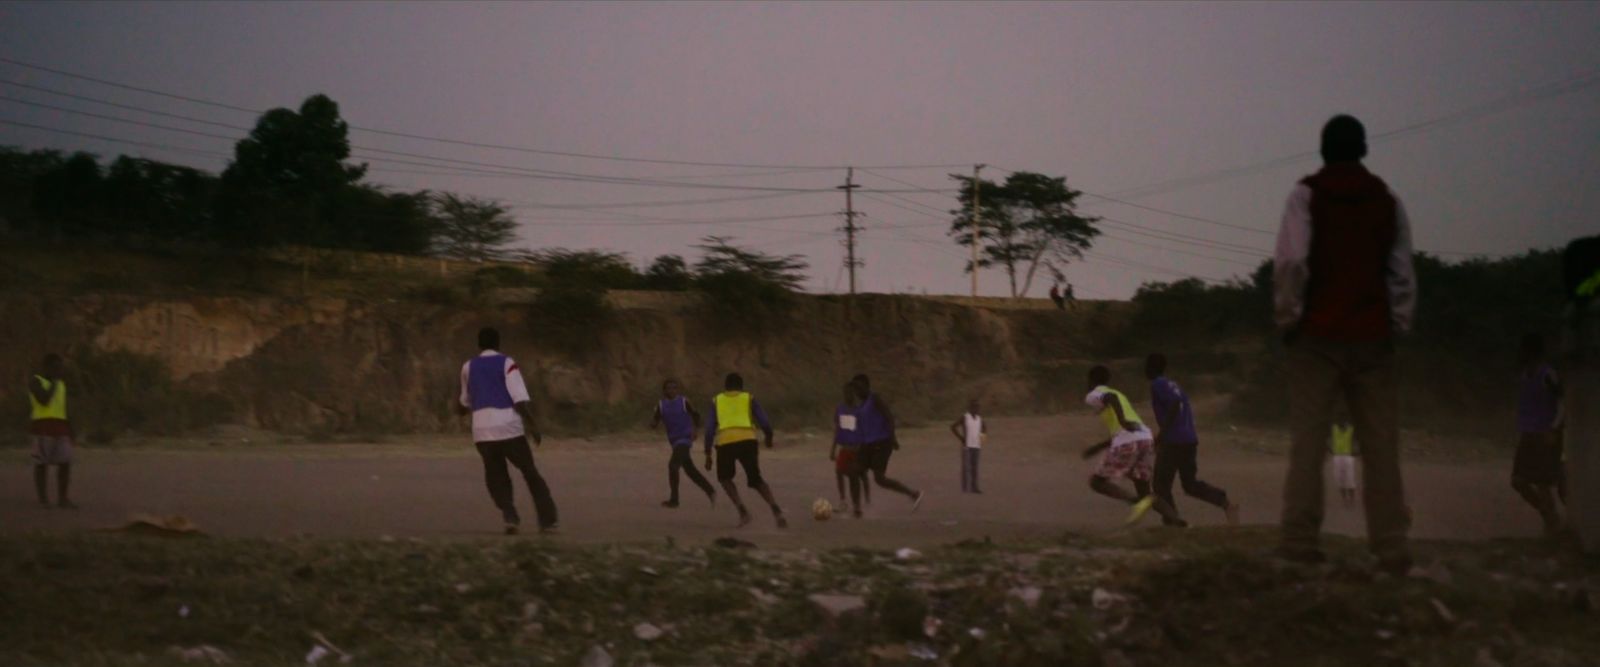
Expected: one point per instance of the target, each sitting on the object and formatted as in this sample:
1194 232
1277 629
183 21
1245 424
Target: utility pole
850 226
977 213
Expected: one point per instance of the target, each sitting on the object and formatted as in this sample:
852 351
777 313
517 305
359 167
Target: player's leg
686 458
726 468
674 462
1189 477
1166 469
498 479
751 462
880 470
521 455
1313 385
41 483
1369 389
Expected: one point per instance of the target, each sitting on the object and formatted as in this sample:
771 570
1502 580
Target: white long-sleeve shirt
1291 270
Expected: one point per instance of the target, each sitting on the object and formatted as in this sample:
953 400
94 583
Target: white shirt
1291 271
974 428
491 424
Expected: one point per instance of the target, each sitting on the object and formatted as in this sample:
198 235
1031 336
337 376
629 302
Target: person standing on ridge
1343 289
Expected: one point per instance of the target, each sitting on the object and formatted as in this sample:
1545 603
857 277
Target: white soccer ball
822 510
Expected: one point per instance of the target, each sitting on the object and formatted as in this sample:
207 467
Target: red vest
1353 225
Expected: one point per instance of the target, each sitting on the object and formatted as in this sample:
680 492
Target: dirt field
609 490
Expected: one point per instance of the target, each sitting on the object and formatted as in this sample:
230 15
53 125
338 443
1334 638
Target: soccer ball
822 510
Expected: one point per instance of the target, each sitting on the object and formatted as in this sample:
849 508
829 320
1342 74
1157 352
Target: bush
117 392
571 319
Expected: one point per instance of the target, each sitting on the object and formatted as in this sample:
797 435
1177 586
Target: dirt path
1033 479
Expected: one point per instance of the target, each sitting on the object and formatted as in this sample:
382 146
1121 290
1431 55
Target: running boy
971 431
878 440
52 433
493 392
1178 442
1536 473
846 445
1130 451
735 414
1342 444
682 422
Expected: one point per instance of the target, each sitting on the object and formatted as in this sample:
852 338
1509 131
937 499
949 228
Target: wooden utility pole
977 213
850 226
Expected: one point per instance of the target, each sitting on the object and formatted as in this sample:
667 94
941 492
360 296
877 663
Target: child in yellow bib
1342 444
1129 452
735 415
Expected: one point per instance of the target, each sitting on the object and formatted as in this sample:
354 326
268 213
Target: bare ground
609 490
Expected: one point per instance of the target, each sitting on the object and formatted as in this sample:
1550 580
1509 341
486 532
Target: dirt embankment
324 364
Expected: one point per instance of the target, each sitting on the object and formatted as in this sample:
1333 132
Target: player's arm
694 419
833 450
1096 449
521 402
888 417
711 436
655 418
40 393
762 421
463 402
958 429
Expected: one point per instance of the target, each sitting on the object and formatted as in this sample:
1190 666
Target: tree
471 228
286 176
1027 223
586 269
668 273
722 258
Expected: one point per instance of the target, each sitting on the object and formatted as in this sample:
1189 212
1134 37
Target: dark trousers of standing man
1180 459
495 474
683 459
1321 373
969 469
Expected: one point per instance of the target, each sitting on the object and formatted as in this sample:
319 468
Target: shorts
874 458
51 450
844 462
1538 459
1344 471
1134 459
746 454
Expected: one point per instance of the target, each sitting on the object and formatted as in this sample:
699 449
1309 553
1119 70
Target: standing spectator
1343 288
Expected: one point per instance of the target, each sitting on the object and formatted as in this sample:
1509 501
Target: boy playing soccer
846 445
1130 452
1537 472
971 431
1178 442
735 414
682 422
52 433
1342 444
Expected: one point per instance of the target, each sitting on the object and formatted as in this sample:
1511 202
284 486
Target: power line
460 142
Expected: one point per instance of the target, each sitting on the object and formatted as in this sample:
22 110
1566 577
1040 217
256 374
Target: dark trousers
969 468
498 478
1323 373
683 459
1180 459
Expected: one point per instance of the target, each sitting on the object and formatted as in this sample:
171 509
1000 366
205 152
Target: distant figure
1069 297
1343 289
50 431
971 431
492 390
1130 452
878 440
682 422
1178 442
844 450
735 414
1536 473
1055 296
1341 443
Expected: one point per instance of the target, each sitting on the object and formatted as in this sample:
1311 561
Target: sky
1196 119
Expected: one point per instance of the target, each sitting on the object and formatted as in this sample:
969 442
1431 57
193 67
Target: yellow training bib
733 418
57 407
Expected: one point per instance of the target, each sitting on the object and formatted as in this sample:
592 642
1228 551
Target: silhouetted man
1343 289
